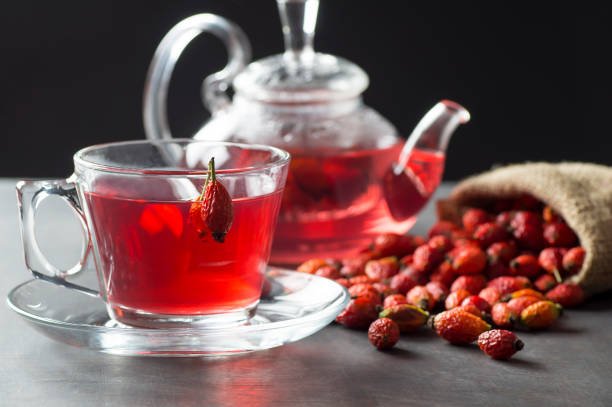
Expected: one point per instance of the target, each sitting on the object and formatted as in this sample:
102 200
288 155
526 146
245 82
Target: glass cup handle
30 194
166 55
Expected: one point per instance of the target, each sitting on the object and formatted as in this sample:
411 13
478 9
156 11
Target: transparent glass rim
81 161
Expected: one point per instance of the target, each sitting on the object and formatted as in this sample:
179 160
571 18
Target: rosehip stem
211 177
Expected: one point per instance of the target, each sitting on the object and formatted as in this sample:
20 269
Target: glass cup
154 266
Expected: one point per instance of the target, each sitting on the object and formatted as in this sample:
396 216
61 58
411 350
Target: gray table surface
568 365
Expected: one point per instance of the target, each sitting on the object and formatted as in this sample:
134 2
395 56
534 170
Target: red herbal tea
335 204
153 259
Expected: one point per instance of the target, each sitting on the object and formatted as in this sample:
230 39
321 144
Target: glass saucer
298 305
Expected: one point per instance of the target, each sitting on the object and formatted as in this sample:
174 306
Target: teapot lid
300 75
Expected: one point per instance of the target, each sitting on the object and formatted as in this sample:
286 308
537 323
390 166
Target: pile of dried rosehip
502 267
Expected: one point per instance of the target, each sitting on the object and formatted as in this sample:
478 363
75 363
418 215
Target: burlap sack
581 193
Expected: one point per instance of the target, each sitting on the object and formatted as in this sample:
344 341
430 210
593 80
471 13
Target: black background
534 75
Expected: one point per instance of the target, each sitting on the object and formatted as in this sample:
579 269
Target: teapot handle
154 113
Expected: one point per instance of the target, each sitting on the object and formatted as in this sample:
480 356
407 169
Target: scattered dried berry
524 292
458 326
420 297
383 333
499 343
517 305
471 308
468 260
545 282
391 244
394 299
455 298
490 294
506 285
540 315
359 313
479 302
474 217
407 317
378 270
488 233
568 295
525 265
472 283
559 234
364 290
503 316
426 258
573 260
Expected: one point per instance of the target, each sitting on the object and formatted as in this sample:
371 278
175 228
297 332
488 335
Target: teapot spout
434 131
409 183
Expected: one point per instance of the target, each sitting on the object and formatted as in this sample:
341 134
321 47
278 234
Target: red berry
504 219
440 243
525 218
437 290
444 274
559 234
391 244
529 237
383 289
499 343
549 215
505 284
364 290
488 233
474 217
394 299
407 317
402 282
420 297
426 258
517 305
525 265
378 270
443 228
328 272
573 260
471 308
468 260
455 298
501 251
502 315
479 302
545 282
417 276
343 282
217 208
568 295
472 283
458 326
359 313
383 333
490 294
551 259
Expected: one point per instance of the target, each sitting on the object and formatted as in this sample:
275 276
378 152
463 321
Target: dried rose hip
568 295
311 266
517 305
217 208
455 298
490 294
499 343
407 317
440 243
437 290
473 283
503 316
391 244
383 333
540 315
402 282
529 237
488 233
444 274
420 297
573 260
506 285
523 292
364 290
378 270
394 299
504 219
360 280
525 265
442 228
359 313
330 272
458 326
559 234
479 302
471 308
474 217
545 282
468 260
501 251
426 258
551 260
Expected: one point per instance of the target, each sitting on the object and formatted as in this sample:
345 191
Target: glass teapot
351 176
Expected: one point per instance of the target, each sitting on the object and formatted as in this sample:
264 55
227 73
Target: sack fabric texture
581 193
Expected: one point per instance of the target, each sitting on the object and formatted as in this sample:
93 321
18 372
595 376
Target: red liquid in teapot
153 259
334 205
